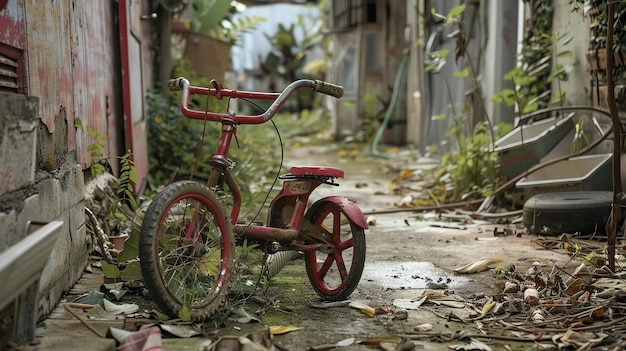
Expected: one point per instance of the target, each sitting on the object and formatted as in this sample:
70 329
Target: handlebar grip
328 88
176 84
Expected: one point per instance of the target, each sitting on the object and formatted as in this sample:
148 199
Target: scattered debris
366 309
257 341
371 220
478 266
145 339
329 304
504 232
283 329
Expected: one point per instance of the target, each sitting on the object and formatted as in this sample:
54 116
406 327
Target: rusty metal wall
12 21
95 74
72 67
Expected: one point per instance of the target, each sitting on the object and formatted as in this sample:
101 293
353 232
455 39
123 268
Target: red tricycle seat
316 171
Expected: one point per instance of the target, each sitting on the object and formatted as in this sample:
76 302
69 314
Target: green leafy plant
290 56
214 18
127 267
580 139
472 171
533 77
128 174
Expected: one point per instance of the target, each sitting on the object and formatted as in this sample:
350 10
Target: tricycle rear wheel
335 269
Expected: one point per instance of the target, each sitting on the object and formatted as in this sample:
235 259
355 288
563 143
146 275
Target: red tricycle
189 233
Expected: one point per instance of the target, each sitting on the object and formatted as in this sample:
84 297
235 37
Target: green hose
400 76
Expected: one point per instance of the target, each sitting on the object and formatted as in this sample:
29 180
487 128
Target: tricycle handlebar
218 91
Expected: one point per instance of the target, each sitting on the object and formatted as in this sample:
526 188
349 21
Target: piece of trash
118 293
259 341
408 304
346 342
379 340
537 316
369 311
119 334
478 266
283 329
329 304
531 296
474 345
93 297
127 308
240 315
406 201
371 220
503 232
181 330
423 327
145 339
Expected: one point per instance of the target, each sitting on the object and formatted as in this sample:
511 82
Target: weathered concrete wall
32 191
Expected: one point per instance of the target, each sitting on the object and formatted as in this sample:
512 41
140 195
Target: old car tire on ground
584 212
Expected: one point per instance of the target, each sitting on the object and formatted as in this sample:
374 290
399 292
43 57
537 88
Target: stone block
17 159
72 185
80 245
47 205
18 141
9 235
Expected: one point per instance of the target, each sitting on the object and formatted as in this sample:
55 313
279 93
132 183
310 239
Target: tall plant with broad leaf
472 171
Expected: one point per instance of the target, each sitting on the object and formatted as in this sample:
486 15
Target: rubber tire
151 261
582 212
316 215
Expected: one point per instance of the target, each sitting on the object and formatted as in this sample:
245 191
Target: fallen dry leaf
574 287
478 265
369 311
488 306
282 329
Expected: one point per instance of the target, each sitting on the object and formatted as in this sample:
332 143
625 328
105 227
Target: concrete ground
407 254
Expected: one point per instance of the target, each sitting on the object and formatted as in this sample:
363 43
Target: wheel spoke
341 266
342 256
344 245
328 263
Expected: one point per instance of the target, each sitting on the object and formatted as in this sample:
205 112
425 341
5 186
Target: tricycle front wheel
186 250
336 267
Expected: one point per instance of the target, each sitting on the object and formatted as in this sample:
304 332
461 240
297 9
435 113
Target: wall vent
11 77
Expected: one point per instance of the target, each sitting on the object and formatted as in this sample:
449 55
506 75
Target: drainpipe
20 270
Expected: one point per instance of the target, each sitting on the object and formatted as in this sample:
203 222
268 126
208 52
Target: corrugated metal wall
72 67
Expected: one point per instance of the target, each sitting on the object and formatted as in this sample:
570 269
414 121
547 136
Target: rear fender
349 207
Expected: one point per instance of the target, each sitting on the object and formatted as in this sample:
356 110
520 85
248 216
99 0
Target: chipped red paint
73 51
50 61
12 22
91 71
